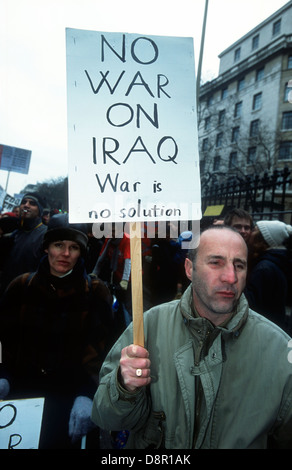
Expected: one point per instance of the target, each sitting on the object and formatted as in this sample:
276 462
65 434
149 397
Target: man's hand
135 367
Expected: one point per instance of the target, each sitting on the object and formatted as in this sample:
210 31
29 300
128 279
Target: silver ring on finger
138 372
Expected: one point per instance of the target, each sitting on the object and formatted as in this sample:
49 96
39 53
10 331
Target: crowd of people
269 277
217 325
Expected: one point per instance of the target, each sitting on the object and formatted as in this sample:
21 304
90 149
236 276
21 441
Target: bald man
212 374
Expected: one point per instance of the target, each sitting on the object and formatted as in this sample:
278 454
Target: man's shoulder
264 329
36 231
40 228
168 313
173 306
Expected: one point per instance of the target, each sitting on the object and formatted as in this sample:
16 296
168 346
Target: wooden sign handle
136 283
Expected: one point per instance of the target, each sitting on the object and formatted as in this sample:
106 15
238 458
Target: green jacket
212 387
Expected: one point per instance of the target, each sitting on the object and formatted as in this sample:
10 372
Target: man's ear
189 268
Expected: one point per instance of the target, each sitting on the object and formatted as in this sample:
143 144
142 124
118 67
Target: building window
207 123
240 84
210 100
255 42
260 74
251 155
216 163
285 152
290 62
219 139
238 109
224 93
277 27
233 160
202 166
237 54
254 128
288 92
221 117
235 134
287 121
205 145
257 101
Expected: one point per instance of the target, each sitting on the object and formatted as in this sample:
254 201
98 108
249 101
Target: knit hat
37 198
60 229
274 231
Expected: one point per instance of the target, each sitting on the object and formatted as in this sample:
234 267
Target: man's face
29 209
219 274
243 226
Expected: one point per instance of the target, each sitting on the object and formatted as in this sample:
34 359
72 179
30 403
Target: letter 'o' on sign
7 415
120 114
153 51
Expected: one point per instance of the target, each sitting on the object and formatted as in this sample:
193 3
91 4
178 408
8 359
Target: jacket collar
75 280
30 224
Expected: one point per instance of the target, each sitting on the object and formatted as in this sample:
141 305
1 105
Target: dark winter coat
22 251
267 285
54 334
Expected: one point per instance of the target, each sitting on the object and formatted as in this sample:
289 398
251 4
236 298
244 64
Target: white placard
20 423
132 128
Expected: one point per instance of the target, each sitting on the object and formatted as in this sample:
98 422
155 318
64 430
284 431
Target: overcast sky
33 113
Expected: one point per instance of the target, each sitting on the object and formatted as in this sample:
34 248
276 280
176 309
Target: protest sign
132 128
132 136
20 423
14 159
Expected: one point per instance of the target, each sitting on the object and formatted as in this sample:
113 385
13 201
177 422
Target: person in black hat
56 327
269 283
59 228
22 250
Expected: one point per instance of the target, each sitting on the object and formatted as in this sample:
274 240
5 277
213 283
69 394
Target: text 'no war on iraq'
107 148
